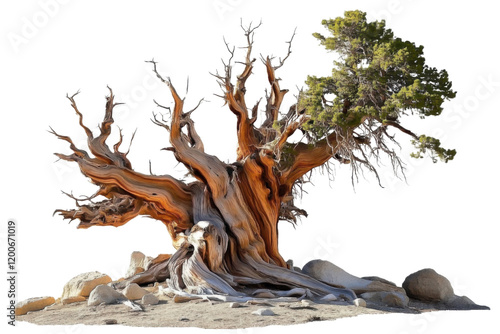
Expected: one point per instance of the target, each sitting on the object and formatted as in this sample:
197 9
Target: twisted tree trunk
224 225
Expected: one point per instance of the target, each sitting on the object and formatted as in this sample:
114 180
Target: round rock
359 302
134 292
149 299
104 294
427 285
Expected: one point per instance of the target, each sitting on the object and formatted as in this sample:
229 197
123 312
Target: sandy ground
195 313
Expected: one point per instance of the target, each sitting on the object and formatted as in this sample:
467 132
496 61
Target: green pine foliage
377 77
433 146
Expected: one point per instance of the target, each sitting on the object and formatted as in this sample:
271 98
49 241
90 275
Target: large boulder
329 273
428 286
133 291
83 284
33 304
138 263
104 294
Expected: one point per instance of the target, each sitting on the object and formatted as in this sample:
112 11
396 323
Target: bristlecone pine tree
224 224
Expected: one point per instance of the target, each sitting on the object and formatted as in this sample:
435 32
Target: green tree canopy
376 79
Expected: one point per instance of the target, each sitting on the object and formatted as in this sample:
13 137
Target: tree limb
129 193
188 149
400 128
307 157
275 99
234 96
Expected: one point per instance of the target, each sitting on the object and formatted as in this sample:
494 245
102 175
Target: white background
443 217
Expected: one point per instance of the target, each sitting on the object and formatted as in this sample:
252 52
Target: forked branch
275 98
234 96
188 148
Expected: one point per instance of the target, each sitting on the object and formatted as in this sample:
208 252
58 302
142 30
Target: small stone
359 302
83 284
305 303
329 298
33 304
182 299
110 321
149 299
183 319
71 300
134 292
104 294
264 312
234 305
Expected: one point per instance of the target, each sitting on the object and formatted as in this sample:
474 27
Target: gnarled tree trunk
224 225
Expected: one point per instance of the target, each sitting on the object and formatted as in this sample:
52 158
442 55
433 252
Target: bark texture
224 226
